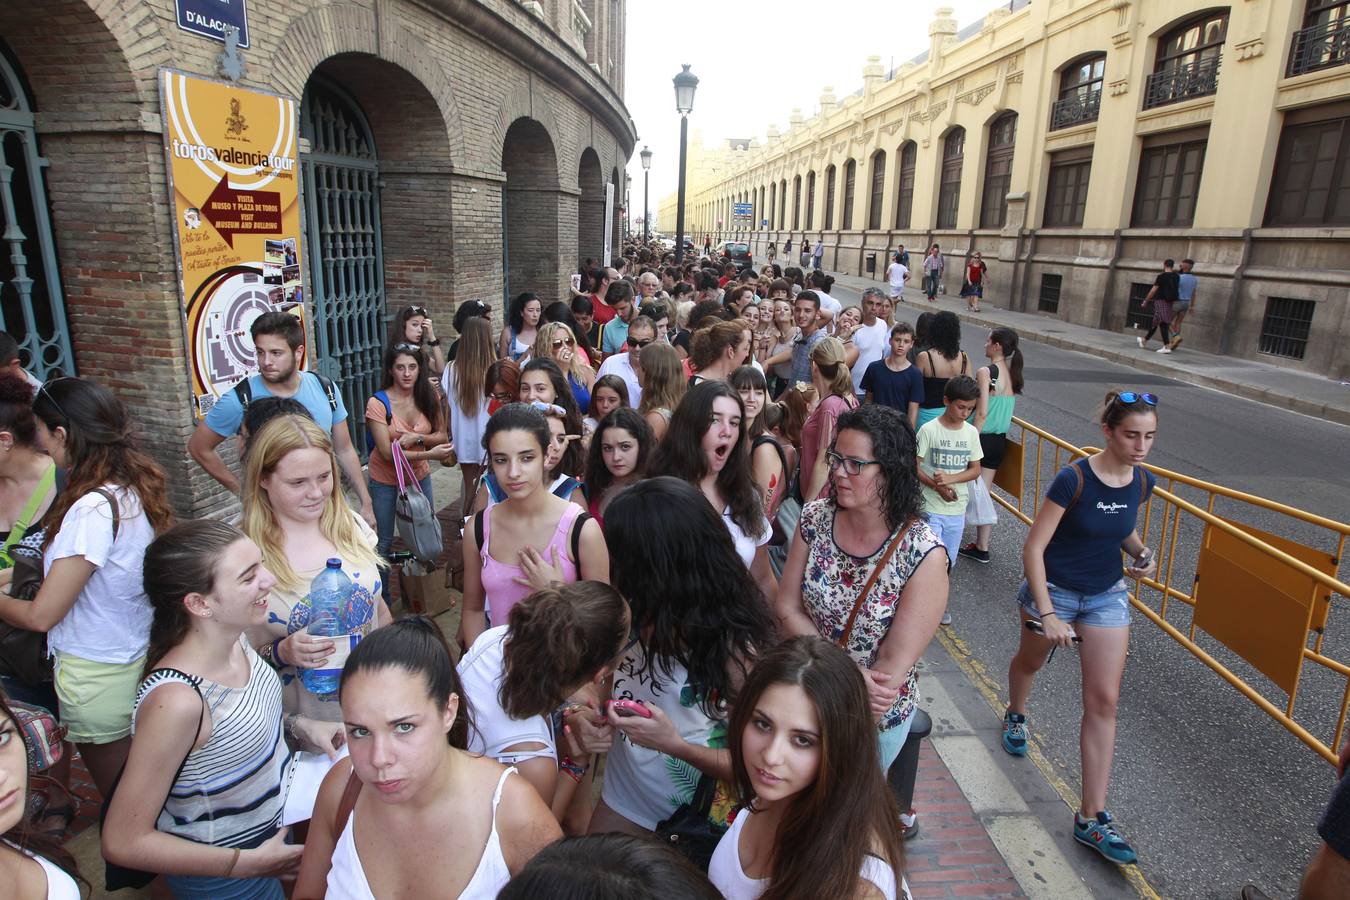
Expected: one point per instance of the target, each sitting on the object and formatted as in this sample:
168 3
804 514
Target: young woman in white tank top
805 702
413 814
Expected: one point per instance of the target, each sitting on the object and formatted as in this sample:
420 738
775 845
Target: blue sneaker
1015 733
1100 834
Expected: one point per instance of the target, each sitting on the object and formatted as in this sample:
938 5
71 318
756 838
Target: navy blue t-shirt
1084 553
894 389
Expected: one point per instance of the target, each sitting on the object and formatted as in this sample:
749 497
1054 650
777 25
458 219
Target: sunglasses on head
549 409
1129 398
407 348
418 310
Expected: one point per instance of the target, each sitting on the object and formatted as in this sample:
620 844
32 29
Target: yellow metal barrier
1260 595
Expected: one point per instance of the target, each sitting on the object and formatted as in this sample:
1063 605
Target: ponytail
1006 338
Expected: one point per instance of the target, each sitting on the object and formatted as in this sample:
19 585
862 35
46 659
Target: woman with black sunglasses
1075 590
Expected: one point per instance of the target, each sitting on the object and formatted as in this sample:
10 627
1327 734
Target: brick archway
590 206
531 211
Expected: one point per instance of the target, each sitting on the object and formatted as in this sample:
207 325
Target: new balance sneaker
1015 733
909 825
1100 834
970 551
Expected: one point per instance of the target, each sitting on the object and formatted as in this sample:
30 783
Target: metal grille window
949 189
1169 182
32 306
1080 93
1311 185
1324 40
1049 299
998 171
829 198
1067 187
878 191
904 201
342 212
1138 315
1285 328
810 200
1188 60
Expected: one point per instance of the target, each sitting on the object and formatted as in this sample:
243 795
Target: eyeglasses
850 465
559 343
503 397
44 392
1129 398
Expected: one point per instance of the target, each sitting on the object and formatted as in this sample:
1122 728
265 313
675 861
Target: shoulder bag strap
346 804
577 525
871 580
116 510
25 519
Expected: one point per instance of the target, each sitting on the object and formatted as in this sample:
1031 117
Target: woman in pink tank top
532 538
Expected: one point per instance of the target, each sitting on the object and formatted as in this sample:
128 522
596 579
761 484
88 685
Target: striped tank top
231 790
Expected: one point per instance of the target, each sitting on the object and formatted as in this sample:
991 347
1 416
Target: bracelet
234 860
435 343
1050 613
276 652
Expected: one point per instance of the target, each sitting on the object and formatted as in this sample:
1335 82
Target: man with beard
279 342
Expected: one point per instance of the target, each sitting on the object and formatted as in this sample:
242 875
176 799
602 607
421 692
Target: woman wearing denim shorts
1075 588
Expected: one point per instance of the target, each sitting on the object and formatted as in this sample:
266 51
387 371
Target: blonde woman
557 342
294 510
464 386
663 385
833 381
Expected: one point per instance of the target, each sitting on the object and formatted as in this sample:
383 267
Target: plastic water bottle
329 599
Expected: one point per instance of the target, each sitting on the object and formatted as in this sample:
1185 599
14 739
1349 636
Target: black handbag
690 829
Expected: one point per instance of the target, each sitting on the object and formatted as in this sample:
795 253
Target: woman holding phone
1075 590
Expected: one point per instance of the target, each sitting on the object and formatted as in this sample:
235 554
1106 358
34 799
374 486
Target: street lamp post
685 84
646 212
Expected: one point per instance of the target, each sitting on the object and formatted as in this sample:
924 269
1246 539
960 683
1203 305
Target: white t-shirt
745 544
110 621
896 272
619 364
481 672
872 343
465 430
830 305
726 874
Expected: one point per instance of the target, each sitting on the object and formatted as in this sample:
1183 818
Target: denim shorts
1109 609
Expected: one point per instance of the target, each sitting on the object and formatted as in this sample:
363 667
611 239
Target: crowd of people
709 520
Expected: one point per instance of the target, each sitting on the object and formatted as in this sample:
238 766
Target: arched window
949 188
998 171
850 184
810 200
1188 60
1080 92
829 198
904 201
878 191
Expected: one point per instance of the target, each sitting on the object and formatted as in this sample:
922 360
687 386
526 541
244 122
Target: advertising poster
234 179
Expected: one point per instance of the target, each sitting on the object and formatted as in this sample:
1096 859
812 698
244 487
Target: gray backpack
414 517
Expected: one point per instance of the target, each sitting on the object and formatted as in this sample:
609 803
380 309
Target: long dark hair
415 645
398 329
584 868
476 352
16 410
944 334
894 448
921 326
572 460
681 454
848 812
516 316
559 636
598 477
516 417
748 378
179 562
693 600
424 396
101 448
23 835
1006 339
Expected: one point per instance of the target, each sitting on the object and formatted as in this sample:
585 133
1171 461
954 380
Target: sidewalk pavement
1265 383
990 825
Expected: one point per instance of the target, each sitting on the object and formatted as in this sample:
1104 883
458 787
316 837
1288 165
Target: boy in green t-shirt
949 457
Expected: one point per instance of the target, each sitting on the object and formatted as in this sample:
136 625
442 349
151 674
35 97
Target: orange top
381 469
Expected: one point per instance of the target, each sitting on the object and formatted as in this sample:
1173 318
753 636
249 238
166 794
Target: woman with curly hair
92 605
940 362
707 446
700 620
872 517
522 326
557 341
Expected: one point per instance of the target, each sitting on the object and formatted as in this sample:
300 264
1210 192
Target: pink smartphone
630 708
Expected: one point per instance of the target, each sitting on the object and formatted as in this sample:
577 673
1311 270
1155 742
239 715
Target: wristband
1050 613
435 343
276 652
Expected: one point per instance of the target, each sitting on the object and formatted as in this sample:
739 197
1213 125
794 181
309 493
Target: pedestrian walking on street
1000 382
818 252
1164 293
932 272
1186 285
897 274
804 257
1075 591
972 287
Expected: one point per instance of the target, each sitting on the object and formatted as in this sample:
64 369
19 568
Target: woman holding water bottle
295 512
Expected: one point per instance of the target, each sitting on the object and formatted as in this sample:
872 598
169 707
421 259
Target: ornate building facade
1075 144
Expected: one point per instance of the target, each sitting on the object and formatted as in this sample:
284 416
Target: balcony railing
1320 47
1177 83
1076 109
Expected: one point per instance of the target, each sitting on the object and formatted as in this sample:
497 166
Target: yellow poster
234 175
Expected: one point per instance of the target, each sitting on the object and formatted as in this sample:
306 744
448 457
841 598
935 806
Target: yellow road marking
979 676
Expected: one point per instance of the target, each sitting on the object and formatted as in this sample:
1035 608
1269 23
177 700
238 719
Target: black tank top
933 387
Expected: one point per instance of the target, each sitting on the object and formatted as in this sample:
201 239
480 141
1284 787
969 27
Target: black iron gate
342 220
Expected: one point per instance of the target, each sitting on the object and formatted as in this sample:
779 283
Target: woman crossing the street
1075 590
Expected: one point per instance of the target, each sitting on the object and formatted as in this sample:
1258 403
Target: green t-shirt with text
947 450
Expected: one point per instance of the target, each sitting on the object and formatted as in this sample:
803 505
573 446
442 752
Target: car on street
737 252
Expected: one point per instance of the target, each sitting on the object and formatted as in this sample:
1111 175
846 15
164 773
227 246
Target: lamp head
685 84
646 156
